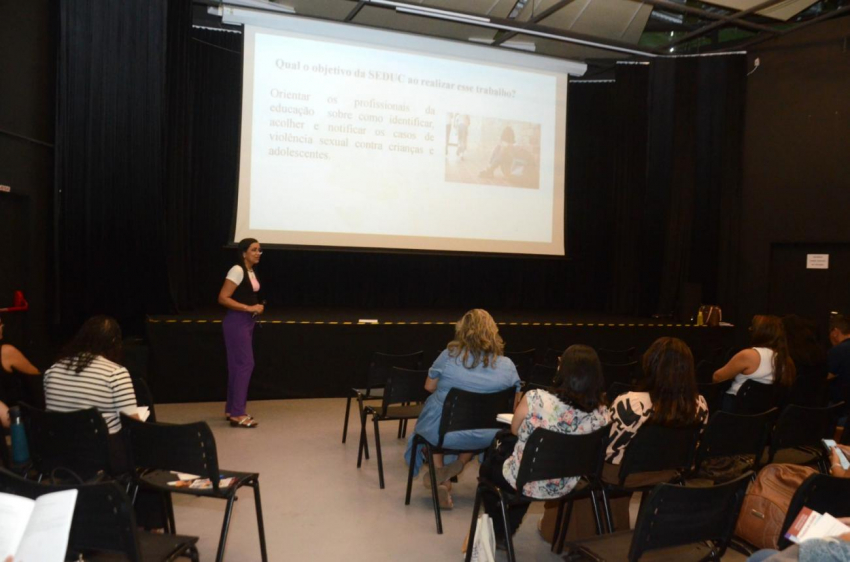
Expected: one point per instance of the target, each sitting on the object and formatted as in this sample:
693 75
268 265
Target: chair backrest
464 410
186 448
103 515
404 386
798 426
657 448
144 397
542 376
523 360
382 363
621 372
549 455
616 356
730 434
754 398
713 393
677 515
809 389
618 388
78 441
551 356
821 493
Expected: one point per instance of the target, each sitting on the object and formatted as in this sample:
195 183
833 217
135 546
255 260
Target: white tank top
764 373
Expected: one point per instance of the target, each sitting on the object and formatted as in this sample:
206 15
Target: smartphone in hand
842 458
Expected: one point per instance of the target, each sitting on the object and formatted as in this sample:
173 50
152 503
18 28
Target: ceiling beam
764 37
683 9
501 38
735 20
356 10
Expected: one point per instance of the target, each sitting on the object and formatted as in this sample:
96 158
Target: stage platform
320 353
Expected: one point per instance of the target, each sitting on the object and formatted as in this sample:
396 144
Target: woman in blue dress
473 361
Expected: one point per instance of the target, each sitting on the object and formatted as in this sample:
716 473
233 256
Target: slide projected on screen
370 139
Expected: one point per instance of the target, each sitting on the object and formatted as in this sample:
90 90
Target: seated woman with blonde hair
473 361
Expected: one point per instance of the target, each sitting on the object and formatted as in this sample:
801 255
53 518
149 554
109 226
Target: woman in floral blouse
576 406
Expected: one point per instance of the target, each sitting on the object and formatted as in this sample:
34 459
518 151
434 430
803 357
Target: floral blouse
545 410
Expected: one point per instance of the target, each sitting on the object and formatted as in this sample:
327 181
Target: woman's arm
836 469
519 416
16 361
225 299
744 362
431 384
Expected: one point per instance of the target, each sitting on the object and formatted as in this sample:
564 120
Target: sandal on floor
246 422
444 497
443 473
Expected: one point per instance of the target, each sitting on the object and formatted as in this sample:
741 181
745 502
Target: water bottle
20 450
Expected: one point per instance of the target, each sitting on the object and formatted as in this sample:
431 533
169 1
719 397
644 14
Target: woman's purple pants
238 342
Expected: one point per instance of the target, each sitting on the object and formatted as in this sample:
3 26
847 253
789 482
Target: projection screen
361 138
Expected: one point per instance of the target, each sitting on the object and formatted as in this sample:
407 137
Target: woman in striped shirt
88 374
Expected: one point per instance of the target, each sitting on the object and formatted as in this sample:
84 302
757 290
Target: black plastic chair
462 410
144 397
402 401
78 441
523 360
694 523
616 356
541 376
713 393
376 377
754 398
551 356
654 448
550 455
623 373
618 388
729 434
796 438
810 388
157 449
104 523
821 493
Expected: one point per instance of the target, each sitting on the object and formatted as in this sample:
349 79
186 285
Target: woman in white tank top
767 362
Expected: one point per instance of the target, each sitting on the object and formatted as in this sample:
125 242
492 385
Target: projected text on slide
358 145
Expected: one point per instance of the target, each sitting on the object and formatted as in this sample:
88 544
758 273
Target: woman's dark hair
99 335
802 336
580 380
768 331
242 247
668 376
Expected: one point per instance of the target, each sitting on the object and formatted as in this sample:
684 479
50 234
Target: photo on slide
491 151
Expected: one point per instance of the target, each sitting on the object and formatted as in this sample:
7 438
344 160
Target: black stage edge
323 353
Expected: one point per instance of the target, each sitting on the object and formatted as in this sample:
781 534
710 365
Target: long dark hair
99 335
580 380
242 247
768 331
668 369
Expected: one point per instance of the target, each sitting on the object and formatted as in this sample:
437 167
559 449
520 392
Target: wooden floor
317 505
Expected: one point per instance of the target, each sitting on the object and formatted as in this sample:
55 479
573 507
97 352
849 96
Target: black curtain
110 235
147 143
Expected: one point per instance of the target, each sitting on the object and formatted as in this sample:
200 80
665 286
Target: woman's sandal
246 422
443 473
444 497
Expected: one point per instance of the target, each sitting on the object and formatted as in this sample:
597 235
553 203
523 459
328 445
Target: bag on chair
484 542
767 501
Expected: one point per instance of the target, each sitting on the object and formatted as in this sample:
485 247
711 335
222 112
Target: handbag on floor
484 543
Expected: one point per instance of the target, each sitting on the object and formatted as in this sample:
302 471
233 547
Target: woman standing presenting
239 295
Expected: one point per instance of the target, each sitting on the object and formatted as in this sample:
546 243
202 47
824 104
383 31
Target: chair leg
435 496
400 428
228 512
378 452
404 430
261 529
345 423
509 540
362 446
413 454
562 530
558 522
596 516
169 507
361 407
606 506
470 541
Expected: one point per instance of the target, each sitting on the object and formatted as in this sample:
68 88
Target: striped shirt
103 385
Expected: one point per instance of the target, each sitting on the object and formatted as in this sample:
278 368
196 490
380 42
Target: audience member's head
669 378
579 380
768 331
839 328
802 336
99 335
477 339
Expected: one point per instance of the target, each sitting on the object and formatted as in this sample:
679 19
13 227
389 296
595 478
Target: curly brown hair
477 340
